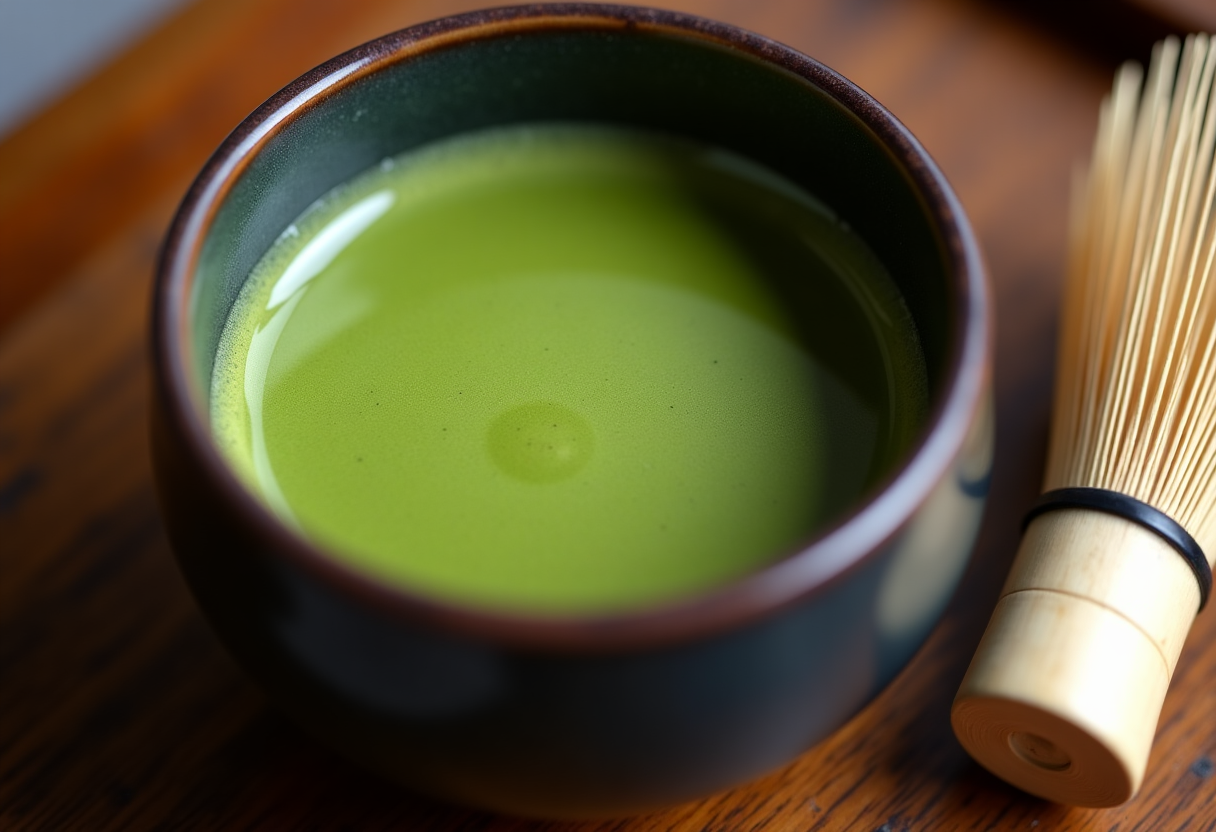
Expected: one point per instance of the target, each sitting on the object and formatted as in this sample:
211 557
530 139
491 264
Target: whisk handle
1063 695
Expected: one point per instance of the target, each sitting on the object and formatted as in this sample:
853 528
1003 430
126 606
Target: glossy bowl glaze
593 715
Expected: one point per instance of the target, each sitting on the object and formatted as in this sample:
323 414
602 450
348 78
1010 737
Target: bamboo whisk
1064 692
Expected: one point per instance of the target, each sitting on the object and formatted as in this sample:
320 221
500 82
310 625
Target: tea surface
565 369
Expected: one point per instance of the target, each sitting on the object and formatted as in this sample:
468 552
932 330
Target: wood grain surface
119 710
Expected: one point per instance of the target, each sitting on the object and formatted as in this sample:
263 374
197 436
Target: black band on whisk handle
1129 508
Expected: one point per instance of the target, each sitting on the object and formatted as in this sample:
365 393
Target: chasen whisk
1064 693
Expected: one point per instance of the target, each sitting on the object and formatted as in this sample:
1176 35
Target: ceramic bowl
577 716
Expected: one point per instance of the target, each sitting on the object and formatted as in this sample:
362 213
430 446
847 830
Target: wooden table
118 709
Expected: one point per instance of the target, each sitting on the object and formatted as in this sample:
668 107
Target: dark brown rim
852 542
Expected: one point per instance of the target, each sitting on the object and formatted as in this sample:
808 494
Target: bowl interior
655 79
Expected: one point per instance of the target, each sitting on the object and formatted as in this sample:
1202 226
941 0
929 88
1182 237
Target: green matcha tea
563 369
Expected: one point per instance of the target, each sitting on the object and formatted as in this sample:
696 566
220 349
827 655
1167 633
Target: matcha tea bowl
571 410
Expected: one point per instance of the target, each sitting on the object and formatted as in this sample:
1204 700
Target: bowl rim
853 541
